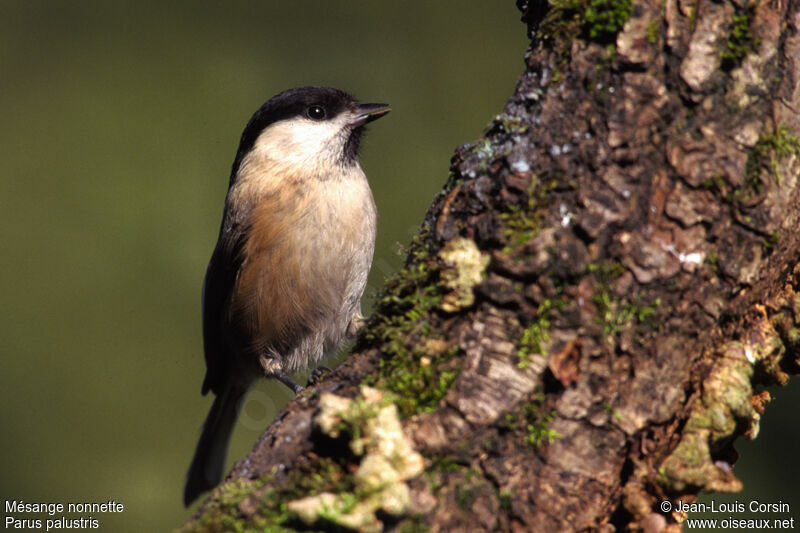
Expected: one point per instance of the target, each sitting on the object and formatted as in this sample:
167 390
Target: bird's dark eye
315 112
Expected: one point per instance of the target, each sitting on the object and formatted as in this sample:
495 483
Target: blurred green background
119 123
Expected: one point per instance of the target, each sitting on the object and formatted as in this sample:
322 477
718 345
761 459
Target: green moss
536 334
464 496
771 241
461 480
741 40
603 19
520 226
219 514
607 271
413 524
539 431
767 153
522 221
444 464
510 421
614 315
439 467
619 319
512 124
652 31
711 258
419 380
223 513
534 421
715 183
444 472
414 363
599 20
778 144
563 20
505 499
610 411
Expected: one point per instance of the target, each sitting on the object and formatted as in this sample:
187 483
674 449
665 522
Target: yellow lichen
388 459
725 406
464 267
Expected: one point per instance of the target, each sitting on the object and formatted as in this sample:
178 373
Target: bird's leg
274 369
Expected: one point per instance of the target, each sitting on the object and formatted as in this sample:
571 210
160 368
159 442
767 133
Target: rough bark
591 305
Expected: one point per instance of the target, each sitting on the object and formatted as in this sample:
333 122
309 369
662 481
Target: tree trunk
593 299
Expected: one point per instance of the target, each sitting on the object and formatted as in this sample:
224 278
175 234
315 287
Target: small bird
284 284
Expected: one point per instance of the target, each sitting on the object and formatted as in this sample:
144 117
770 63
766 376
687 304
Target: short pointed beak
368 112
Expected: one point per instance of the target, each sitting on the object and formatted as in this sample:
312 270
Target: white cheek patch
299 140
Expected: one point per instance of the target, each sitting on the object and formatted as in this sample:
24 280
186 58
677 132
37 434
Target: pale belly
303 281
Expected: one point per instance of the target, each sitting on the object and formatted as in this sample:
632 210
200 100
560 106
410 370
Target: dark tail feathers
208 463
